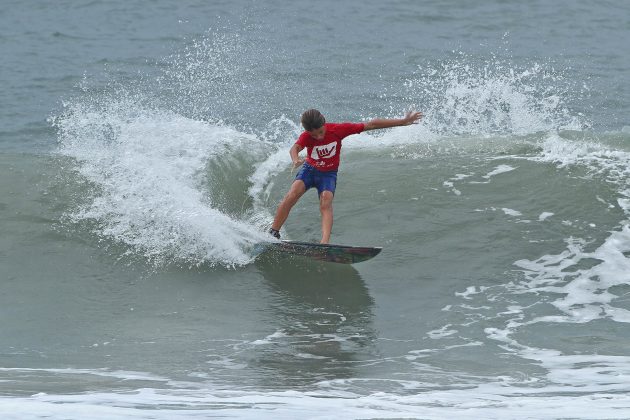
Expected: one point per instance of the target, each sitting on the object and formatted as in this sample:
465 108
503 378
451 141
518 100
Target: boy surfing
322 141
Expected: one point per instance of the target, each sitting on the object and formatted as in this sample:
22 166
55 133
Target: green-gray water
143 152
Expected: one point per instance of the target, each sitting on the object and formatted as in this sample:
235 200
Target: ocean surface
143 152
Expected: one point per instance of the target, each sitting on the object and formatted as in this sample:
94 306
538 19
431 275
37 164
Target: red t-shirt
324 154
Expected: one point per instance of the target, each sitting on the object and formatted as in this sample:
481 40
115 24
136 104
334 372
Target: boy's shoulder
334 131
345 129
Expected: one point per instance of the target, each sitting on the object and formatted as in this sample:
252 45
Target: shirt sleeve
303 139
347 129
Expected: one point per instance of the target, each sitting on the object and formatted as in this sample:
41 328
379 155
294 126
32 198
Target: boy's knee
325 201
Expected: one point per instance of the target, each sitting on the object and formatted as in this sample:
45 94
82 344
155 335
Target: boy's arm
412 117
294 151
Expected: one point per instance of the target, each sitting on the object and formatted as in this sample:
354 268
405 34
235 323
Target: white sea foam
459 177
492 98
597 157
269 339
511 212
449 184
501 169
493 401
585 291
471 290
445 331
149 170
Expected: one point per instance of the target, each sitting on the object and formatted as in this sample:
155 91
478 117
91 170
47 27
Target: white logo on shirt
324 152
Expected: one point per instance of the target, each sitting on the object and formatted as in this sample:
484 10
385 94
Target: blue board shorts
323 181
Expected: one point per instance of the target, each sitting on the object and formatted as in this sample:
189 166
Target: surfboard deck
343 254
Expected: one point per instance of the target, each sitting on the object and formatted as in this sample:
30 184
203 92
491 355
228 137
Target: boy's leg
325 207
295 192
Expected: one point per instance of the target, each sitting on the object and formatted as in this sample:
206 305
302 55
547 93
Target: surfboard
343 254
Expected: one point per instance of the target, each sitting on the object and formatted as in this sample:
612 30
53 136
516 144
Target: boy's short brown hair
312 120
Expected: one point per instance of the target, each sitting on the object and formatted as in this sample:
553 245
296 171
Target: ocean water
144 149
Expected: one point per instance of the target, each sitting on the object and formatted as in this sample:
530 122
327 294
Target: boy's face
318 133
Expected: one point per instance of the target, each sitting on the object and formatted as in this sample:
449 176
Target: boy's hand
297 163
412 117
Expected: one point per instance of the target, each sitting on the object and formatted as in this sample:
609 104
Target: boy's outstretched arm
412 117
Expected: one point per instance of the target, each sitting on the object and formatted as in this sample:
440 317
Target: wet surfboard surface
344 254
